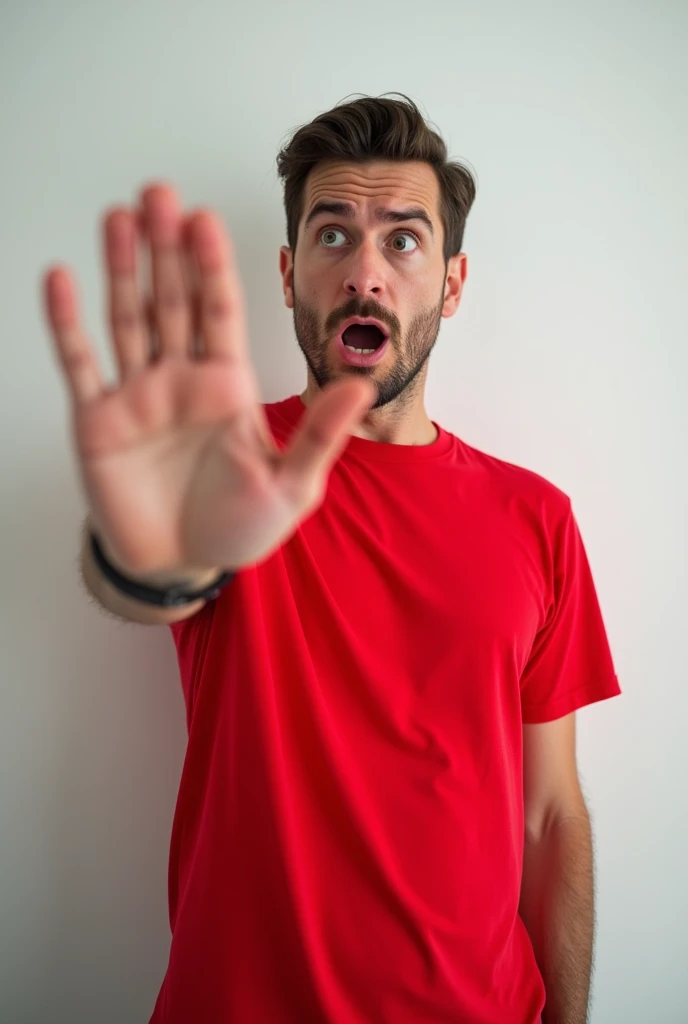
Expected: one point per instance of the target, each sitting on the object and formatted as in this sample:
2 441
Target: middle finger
170 285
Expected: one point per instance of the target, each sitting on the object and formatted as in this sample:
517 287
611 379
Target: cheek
308 282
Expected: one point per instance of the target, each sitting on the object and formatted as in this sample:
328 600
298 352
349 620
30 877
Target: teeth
363 351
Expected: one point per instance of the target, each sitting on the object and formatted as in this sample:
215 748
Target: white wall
567 355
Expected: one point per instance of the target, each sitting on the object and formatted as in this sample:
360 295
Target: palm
171 451
177 460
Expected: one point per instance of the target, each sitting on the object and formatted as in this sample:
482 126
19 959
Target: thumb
322 434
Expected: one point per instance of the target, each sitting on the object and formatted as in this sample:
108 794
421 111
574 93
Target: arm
128 608
557 901
557 908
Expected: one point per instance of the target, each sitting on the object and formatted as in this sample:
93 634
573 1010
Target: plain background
567 355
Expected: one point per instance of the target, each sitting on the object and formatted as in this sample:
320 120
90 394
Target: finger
130 335
221 295
150 320
75 355
169 277
194 280
322 434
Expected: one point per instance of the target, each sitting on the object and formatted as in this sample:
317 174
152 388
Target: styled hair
367 130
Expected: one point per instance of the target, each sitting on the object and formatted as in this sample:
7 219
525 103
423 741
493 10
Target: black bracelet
170 597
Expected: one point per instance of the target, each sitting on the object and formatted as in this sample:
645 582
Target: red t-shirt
347 844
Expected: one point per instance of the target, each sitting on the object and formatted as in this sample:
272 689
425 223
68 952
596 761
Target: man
383 634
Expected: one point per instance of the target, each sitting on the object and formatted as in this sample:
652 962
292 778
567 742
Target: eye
406 234
399 234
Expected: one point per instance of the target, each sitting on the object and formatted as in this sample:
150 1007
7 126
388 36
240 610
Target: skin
361 267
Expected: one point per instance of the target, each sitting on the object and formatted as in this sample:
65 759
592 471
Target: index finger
222 308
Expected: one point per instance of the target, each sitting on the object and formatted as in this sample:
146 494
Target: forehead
412 182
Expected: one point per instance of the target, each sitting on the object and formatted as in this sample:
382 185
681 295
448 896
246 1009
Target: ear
287 272
457 271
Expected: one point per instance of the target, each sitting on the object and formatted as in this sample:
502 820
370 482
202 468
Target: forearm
557 908
128 608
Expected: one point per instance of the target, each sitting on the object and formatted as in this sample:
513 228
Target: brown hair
372 129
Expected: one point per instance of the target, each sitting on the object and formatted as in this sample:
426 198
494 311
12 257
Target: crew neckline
294 407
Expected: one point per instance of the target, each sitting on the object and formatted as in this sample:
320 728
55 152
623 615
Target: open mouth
363 338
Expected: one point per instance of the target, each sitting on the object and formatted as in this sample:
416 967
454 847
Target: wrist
185 578
168 595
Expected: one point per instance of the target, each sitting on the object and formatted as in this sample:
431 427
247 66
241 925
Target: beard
399 376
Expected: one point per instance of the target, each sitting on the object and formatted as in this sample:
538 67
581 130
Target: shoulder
513 481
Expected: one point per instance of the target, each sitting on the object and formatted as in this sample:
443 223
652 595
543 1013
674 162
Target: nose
362 289
364 276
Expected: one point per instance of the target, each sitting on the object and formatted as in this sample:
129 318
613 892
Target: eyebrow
384 216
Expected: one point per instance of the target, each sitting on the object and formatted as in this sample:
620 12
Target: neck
383 426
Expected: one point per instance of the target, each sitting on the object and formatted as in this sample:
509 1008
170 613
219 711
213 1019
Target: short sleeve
191 638
570 663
